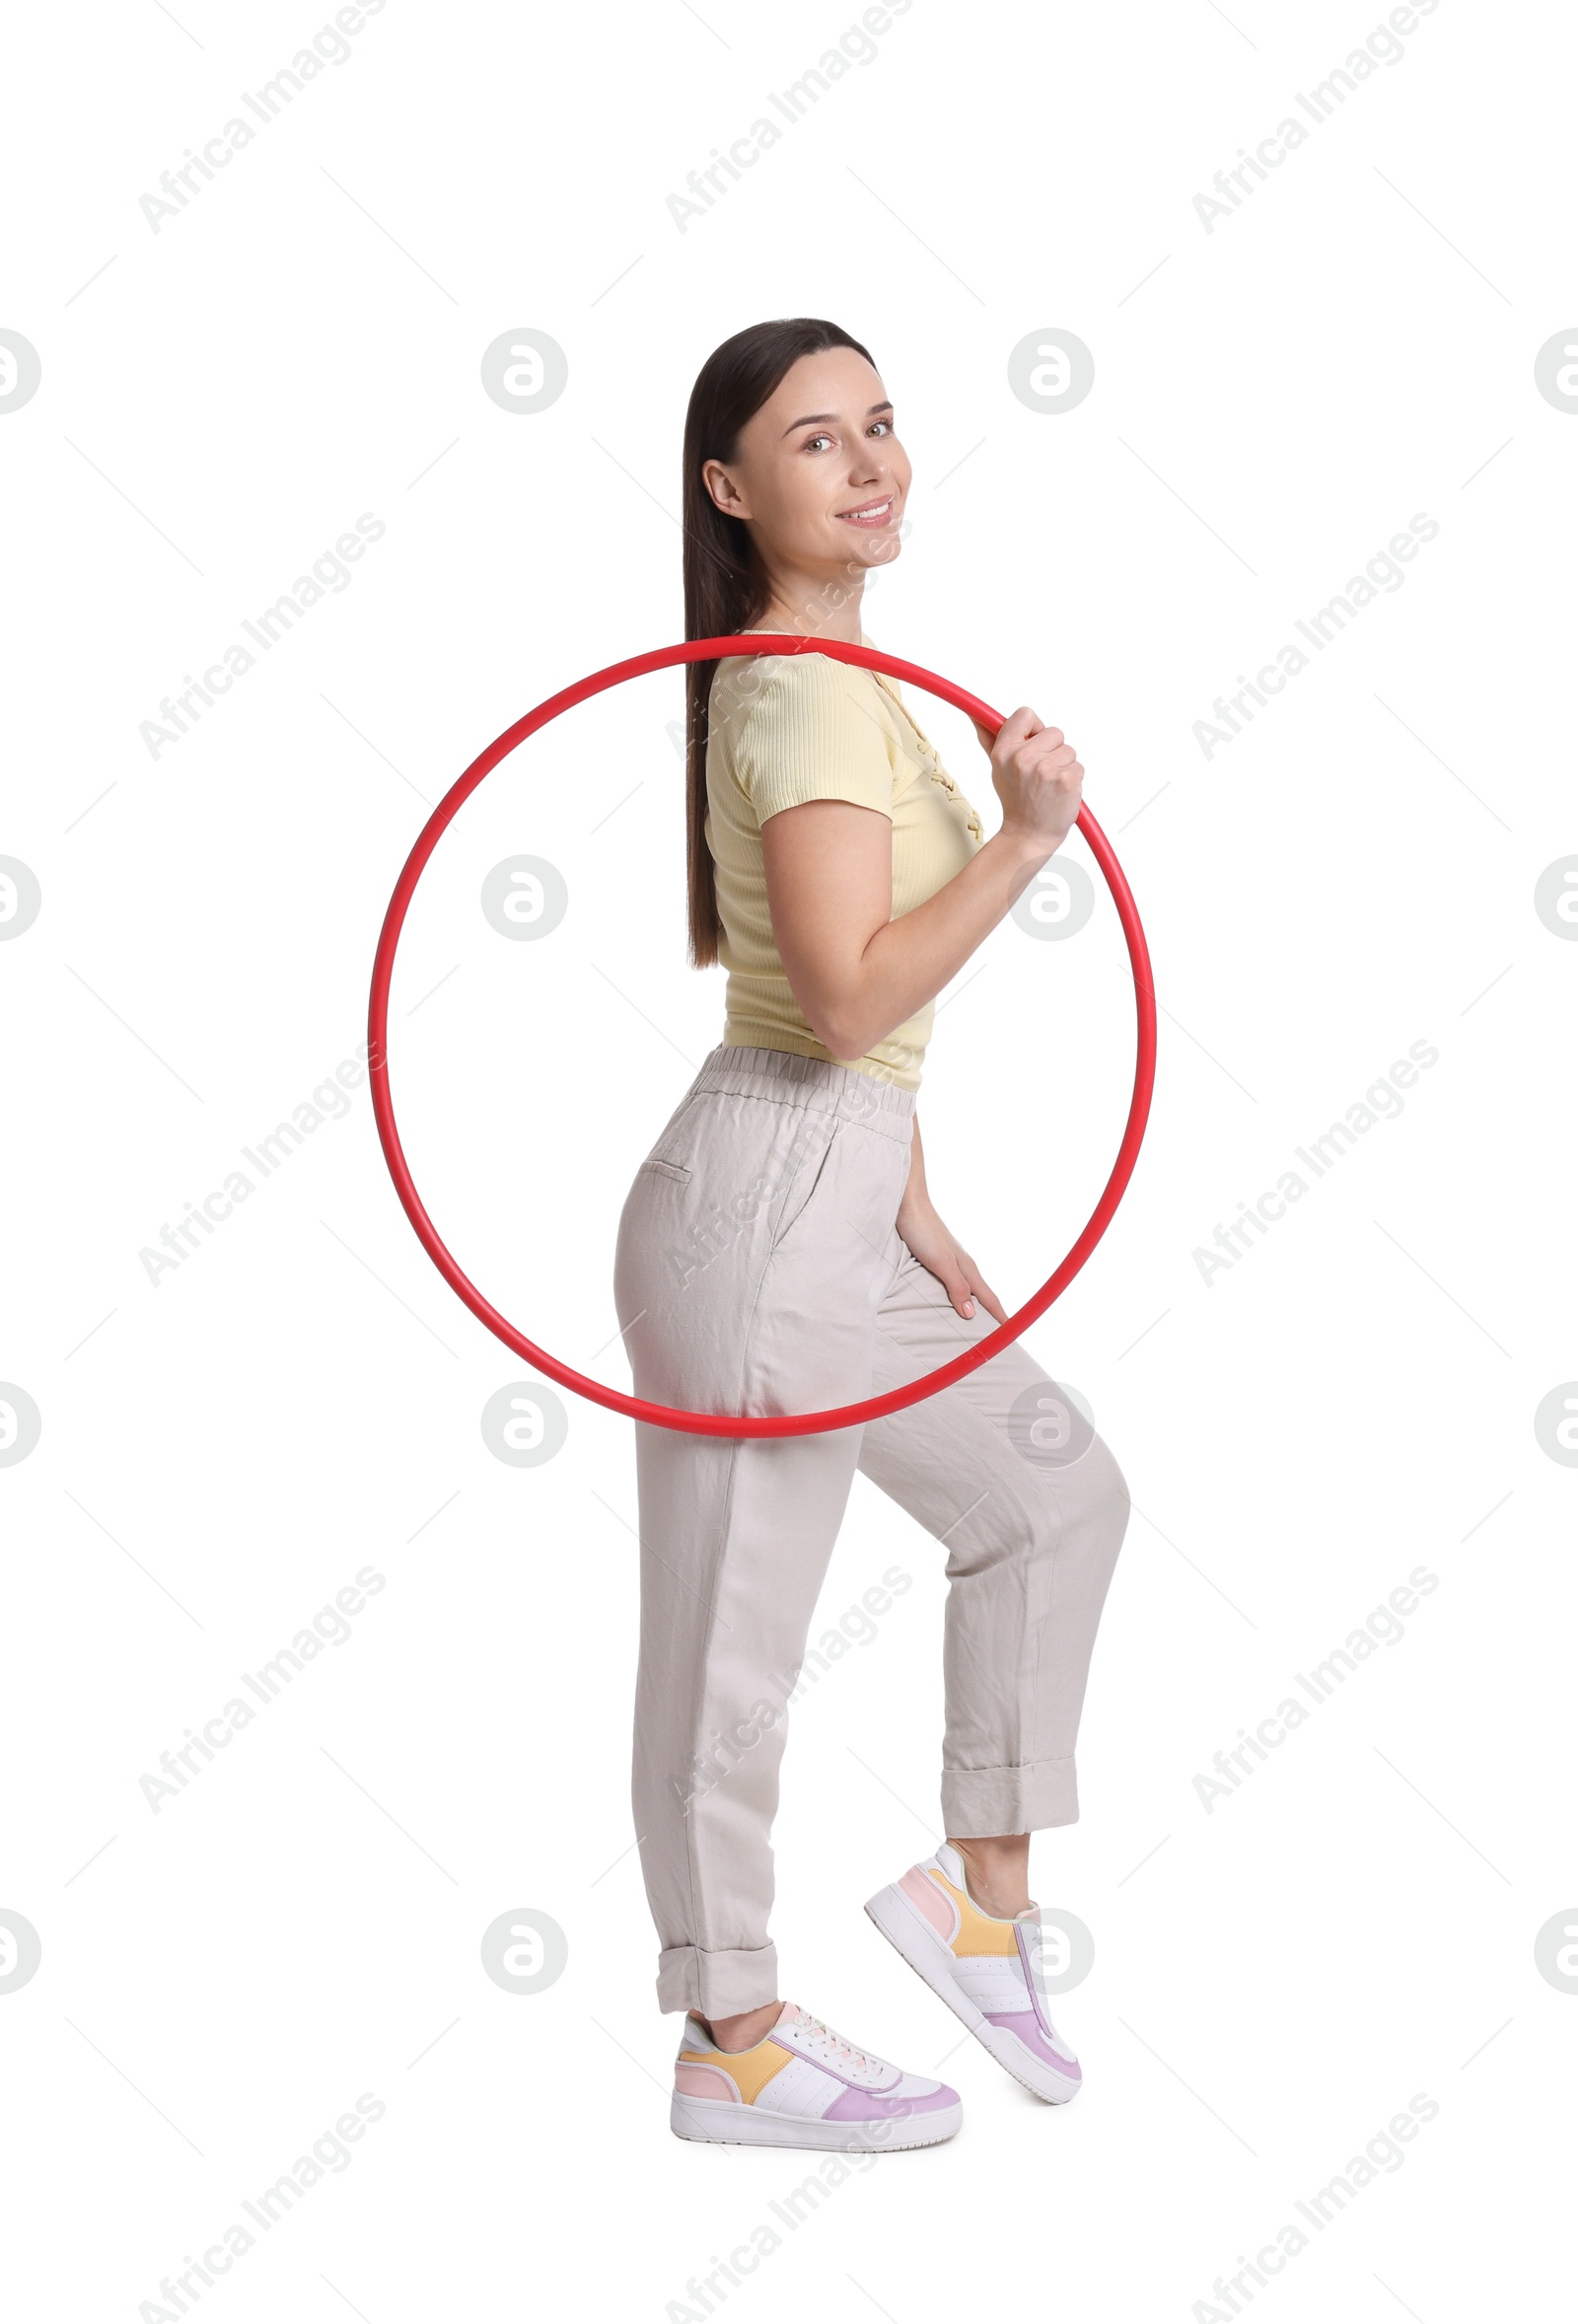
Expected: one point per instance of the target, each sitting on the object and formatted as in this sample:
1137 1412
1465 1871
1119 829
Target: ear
725 492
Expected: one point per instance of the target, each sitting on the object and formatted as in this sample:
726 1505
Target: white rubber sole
723 2122
914 1937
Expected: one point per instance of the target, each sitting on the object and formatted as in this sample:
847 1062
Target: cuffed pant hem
717 1984
978 1804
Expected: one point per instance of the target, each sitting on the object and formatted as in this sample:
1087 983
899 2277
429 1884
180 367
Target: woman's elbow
839 1044
843 1035
839 1015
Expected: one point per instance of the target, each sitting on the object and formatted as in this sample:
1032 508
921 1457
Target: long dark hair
724 586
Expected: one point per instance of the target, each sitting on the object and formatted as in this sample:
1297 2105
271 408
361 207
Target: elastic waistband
816 1084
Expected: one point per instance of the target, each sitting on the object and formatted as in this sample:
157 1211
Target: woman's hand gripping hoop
874 1408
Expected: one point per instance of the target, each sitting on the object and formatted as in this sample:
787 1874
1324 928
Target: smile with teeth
877 512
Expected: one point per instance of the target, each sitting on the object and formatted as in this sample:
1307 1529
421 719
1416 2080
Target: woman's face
820 474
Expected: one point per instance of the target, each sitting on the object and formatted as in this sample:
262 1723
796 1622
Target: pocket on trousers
675 1140
801 1192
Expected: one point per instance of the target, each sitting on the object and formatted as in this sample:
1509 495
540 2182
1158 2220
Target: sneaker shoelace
844 2053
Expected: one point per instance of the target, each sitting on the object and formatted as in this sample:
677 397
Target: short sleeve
812 732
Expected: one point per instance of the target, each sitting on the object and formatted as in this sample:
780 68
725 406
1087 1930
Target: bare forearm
909 960
857 971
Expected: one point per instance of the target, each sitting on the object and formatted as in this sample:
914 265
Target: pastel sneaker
988 1971
804 2085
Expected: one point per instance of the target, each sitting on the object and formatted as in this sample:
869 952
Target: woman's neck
804 606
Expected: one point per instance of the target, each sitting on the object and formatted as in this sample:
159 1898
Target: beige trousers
758 1269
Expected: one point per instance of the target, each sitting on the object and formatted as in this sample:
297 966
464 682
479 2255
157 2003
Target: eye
820 437
886 426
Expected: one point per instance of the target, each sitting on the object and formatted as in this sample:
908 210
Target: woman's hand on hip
1037 777
943 1256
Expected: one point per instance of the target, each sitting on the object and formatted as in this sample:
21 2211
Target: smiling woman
780 1252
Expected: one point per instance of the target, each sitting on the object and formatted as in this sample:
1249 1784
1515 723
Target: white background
301 1398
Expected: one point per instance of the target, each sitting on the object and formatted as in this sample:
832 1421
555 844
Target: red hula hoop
873 1407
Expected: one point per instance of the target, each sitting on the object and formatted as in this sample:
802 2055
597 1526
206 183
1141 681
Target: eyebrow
825 415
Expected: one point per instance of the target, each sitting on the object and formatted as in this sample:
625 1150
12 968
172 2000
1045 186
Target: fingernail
969 1307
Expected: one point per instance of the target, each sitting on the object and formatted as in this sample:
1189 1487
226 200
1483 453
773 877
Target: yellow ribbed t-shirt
784 728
